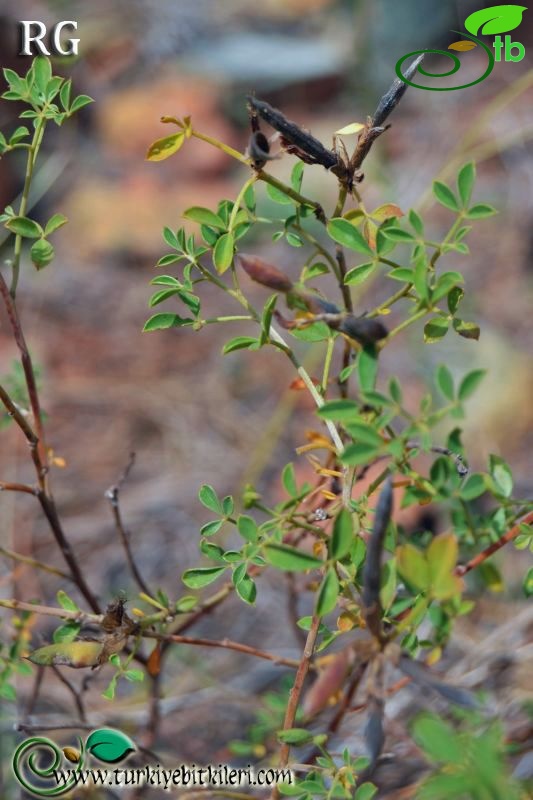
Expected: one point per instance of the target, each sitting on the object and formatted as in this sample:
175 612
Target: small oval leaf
462 46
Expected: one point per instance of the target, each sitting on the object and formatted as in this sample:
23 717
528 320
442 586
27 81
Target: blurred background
191 416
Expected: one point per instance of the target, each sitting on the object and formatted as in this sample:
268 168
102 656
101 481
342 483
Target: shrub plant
378 597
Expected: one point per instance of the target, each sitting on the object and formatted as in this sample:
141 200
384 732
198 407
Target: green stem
237 204
327 364
33 151
405 324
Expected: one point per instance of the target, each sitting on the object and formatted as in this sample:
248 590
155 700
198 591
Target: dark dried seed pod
394 94
259 149
423 678
363 330
372 569
320 306
374 731
265 274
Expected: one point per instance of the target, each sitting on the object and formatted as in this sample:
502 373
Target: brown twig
112 494
38 448
462 569
226 644
32 562
74 692
296 691
50 611
17 487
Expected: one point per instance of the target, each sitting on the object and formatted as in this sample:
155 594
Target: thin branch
112 494
73 691
51 611
32 562
511 534
226 644
17 487
296 691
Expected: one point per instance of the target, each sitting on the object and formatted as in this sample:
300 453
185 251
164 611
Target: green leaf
444 381
339 410
210 528
455 295
278 196
41 253
364 432
288 558
528 583
246 589
343 232
327 593
366 791
465 182
435 329
296 736
481 211
359 453
223 252
502 475
209 498
495 19
247 528
42 71
395 390
445 196
201 576
83 100
474 487
297 175
66 602
442 557
367 368
396 234
470 383
239 343
293 239
359 274
342 537
109 745
402 274
413 567
288 480
162 321
134 675
163 148
438 739
22 226
468 330
67 632
204 217
416 222
54 223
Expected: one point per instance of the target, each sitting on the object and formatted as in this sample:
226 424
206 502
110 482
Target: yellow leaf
69 654
413 567
442 556
386 211
353 127
163 148
462 46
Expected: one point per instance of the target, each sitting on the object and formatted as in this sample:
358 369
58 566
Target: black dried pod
259 149
306 146
317 305
374 731
394 94
372 569
363 329
422 677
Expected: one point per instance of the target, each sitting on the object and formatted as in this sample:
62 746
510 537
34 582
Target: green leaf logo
498 19
109 746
